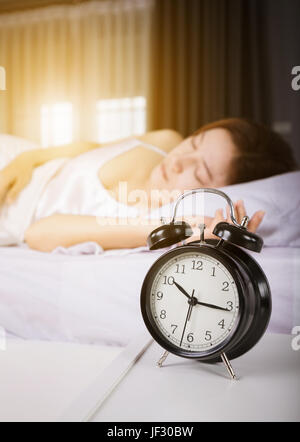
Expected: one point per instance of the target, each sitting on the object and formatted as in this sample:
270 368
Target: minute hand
212 306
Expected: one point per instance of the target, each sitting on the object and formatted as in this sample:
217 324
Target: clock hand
212 306
182 290
201 303
190 312
191 305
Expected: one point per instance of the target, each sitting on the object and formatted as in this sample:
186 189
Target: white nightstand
267 389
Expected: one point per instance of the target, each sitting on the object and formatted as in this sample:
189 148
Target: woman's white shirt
67 186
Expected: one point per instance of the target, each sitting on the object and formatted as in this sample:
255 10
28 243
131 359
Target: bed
94 298
91 296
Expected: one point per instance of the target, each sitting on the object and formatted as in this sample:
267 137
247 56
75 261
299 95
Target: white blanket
95 298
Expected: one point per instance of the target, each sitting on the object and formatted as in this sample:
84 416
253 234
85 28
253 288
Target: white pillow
278 196
11 146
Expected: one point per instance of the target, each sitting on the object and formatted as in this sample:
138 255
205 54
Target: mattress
95 298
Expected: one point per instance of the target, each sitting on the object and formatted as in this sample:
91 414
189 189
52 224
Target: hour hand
182 290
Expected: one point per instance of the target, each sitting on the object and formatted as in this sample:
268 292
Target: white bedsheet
95 298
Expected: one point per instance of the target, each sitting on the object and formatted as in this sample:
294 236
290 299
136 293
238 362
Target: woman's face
203 160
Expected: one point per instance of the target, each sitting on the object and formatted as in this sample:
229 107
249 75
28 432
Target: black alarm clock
208 300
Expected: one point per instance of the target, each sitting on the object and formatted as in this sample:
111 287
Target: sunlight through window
120 118
2 79
56 124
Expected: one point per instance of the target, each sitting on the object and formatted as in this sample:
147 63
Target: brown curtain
209 61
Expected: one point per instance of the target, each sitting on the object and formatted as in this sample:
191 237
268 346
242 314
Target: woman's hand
210 223
15 176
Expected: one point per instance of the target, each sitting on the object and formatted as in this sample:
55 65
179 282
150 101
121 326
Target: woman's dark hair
262 152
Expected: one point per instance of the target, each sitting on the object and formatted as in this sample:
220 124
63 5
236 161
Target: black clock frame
254 293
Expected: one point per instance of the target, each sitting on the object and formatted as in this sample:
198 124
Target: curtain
194 61
74 54
210 61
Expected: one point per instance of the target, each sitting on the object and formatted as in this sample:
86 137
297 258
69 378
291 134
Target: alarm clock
207 300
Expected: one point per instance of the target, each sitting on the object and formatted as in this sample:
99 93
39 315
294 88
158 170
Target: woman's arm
18 173
166 139
42 156
67 230
15 176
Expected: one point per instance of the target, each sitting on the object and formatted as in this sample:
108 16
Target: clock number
175 326
213 271
163 314
230 304
225 286
208 335
222 324
168 280
197 265
190 337
182 266
159 296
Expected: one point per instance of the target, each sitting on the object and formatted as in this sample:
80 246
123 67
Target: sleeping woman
75 193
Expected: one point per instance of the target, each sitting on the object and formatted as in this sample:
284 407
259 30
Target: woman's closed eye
193 144
201 175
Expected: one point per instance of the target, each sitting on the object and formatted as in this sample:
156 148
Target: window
120 118
115 118
56 124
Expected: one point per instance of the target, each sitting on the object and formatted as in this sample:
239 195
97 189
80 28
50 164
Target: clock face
194 302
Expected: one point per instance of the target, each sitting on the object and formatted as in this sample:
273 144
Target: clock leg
162 359
228 366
